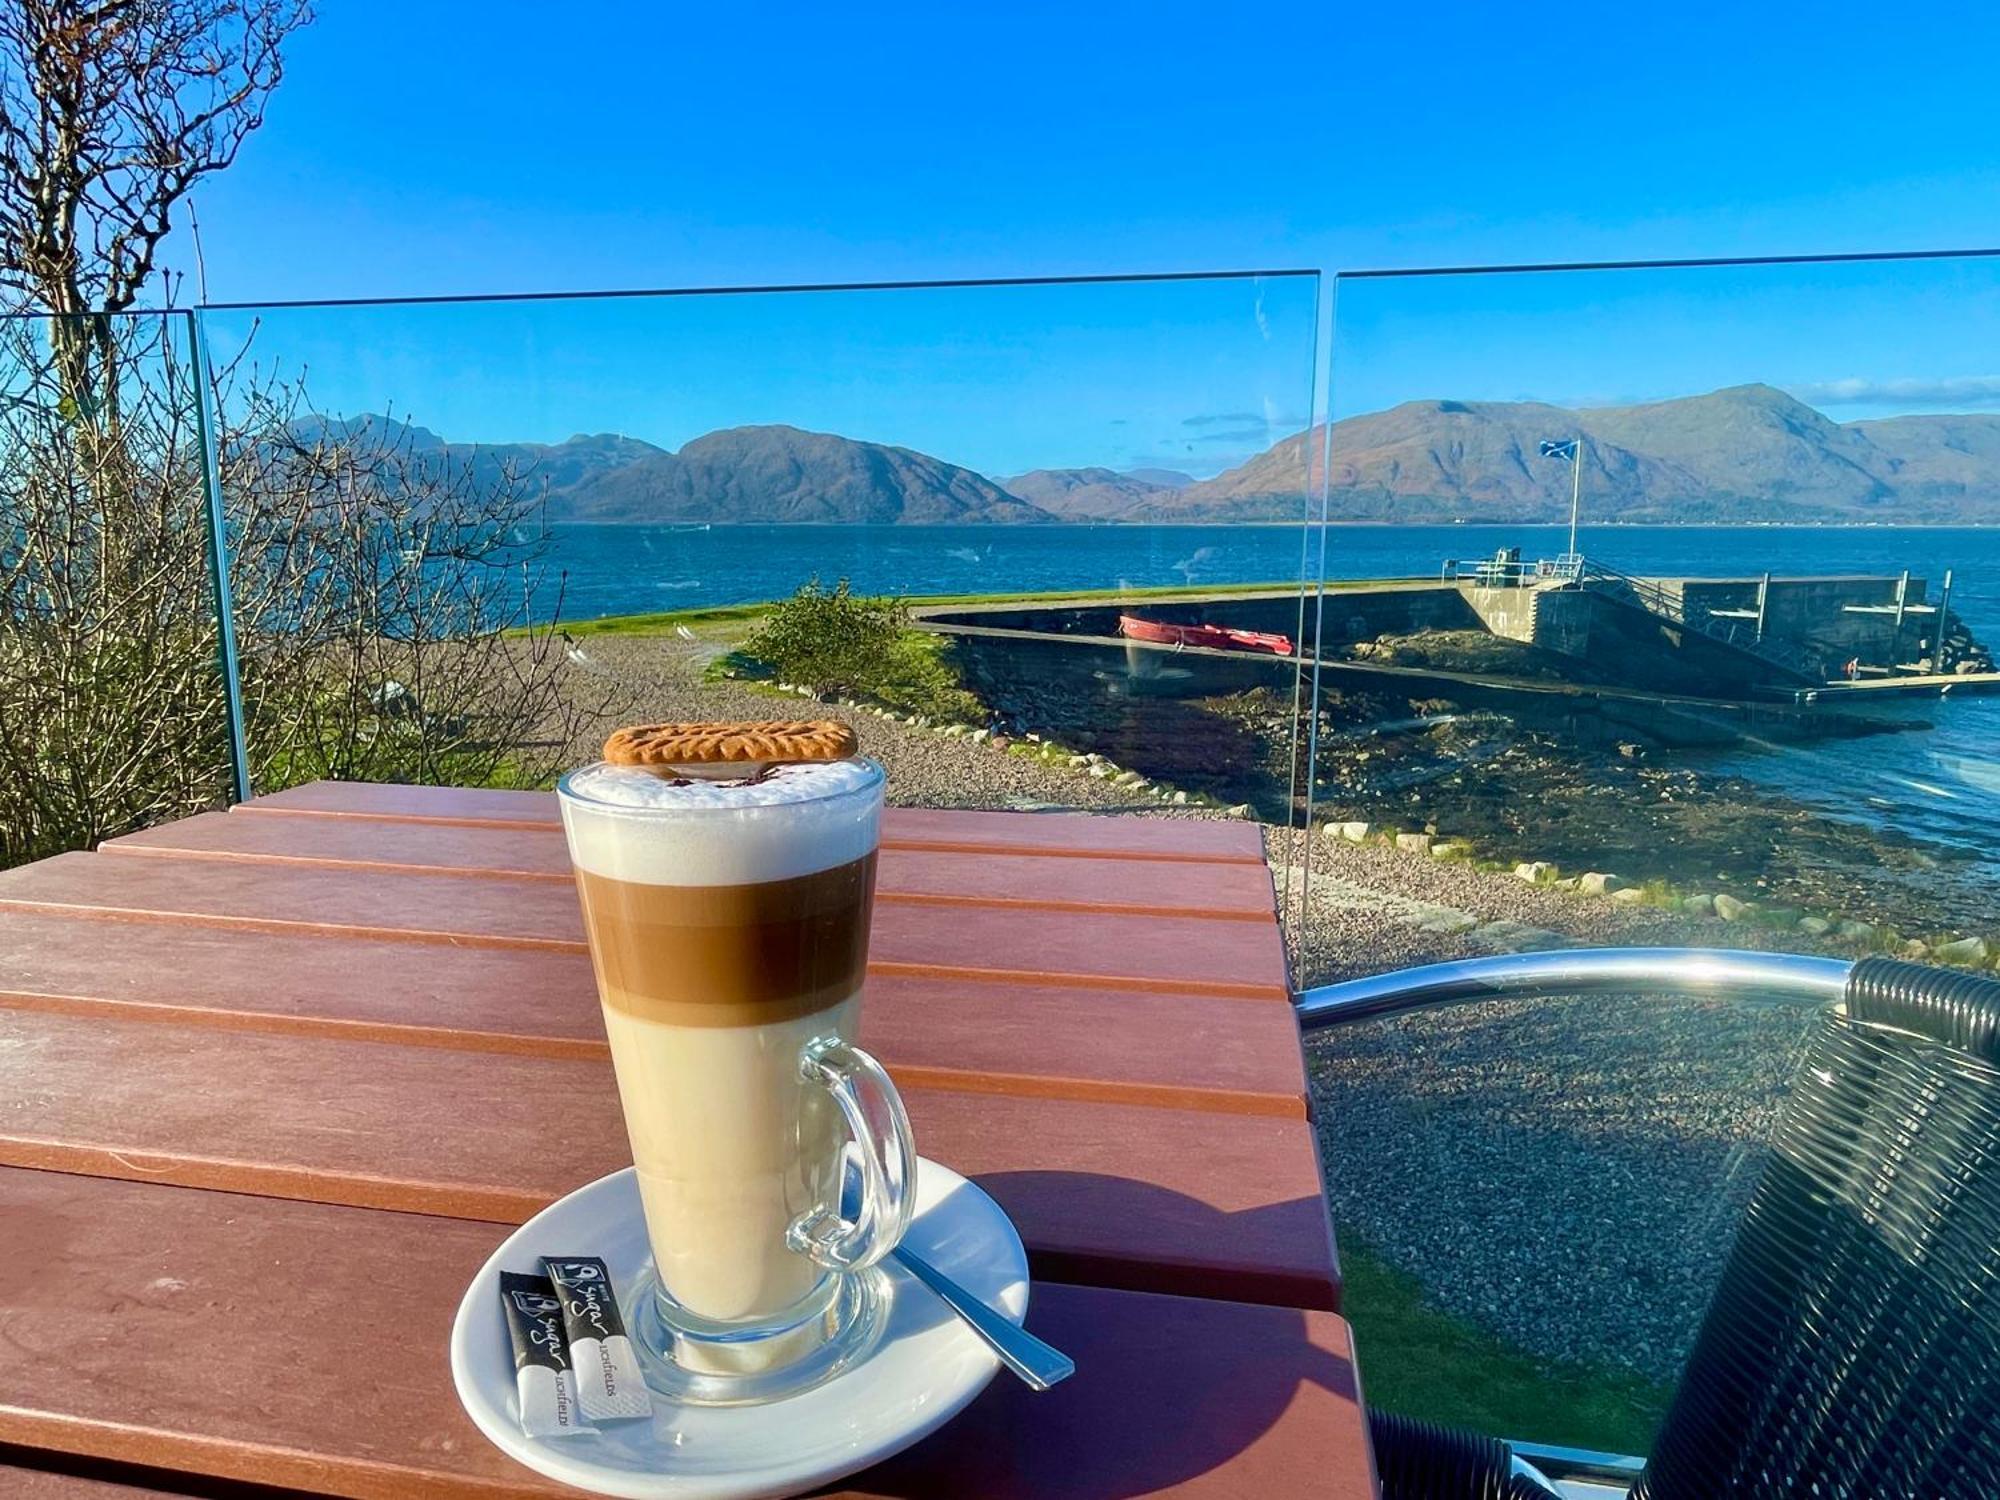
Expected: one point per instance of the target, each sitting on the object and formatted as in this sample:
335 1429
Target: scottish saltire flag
1565 449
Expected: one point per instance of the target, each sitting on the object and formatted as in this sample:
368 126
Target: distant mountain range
1098 494
747 474
1747 453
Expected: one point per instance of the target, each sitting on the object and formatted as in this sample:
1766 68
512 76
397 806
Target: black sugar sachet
543 1376
607 1366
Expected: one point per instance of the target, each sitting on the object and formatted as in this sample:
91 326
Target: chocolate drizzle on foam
729 775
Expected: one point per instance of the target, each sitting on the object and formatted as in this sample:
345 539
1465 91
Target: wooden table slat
1225 958
18 1482
257 1068
1084 835
240 1338
1231 891
1158 1199
1063 1041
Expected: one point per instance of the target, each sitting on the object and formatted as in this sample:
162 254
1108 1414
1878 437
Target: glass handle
888 1161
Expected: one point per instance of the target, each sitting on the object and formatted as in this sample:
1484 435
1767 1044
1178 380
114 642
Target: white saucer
927 1366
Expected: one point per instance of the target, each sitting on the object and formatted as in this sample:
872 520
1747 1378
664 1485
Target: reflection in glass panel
112 710
1690 642
1038 520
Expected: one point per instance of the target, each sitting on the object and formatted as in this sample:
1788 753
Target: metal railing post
208 434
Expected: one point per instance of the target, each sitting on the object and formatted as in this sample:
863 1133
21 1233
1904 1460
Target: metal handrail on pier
1512 572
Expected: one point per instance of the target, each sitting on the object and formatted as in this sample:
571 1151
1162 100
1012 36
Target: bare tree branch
377 588
110 114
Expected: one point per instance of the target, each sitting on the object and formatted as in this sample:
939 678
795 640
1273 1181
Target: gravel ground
1567 1174
1375 908
661 679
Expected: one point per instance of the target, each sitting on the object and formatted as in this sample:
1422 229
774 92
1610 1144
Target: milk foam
627 823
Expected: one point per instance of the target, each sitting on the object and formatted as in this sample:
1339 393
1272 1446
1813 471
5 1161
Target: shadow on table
1276 1252
35 1473
1168 1388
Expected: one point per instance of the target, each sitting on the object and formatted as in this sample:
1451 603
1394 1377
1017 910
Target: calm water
1942 783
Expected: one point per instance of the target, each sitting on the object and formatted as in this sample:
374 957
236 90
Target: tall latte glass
728 921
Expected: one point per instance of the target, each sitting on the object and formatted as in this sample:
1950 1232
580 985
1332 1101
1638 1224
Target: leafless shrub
110 706
387 587
382 596
111 111
374 583
379 587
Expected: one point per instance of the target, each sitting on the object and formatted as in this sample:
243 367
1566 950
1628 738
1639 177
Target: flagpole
1575 488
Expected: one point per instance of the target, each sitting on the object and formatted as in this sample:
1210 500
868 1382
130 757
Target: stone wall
1627 644
1648 652
1563 621
1508 612
1363 614
1814 612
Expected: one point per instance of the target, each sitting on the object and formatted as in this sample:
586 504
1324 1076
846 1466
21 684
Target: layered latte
728 923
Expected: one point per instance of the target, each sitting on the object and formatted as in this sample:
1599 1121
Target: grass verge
1417 1359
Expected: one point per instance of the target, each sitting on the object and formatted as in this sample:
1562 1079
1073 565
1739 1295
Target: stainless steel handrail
1576 971
1728 972
1512 573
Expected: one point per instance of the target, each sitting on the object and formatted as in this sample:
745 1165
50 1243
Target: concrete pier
1646 675
1721 637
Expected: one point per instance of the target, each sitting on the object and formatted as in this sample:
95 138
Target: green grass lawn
655 624
1421 1361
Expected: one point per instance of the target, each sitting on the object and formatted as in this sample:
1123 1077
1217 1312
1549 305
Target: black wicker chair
1852 1349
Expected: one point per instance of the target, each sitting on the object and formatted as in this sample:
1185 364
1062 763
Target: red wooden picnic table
264 1070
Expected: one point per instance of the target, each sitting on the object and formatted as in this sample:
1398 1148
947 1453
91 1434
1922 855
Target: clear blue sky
447 147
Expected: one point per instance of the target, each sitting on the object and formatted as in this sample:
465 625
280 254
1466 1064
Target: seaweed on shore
1585 796
1517 792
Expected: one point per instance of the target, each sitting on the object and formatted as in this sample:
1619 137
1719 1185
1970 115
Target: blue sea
1940 782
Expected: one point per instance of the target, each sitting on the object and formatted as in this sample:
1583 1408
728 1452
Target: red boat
1217 636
